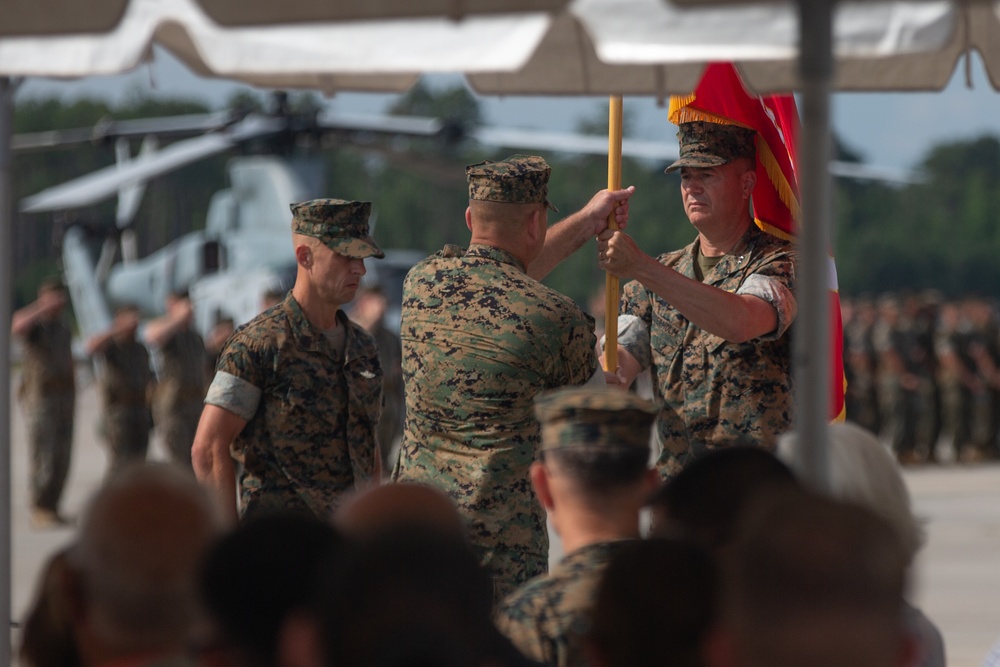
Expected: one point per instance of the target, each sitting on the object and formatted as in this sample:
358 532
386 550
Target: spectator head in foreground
132 574
255 578
657 598
47 635
813 581
594 463
706 501
381 509
413 595
860 469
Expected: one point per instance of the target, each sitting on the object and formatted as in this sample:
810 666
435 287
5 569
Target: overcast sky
892 129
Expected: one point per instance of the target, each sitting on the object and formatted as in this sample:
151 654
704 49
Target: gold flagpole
611 282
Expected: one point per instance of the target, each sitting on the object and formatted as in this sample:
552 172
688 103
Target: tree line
942 233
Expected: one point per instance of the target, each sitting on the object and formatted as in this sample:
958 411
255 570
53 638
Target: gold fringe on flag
681 111
774 231
781 185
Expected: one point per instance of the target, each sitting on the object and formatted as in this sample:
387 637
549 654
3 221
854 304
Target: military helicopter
243 251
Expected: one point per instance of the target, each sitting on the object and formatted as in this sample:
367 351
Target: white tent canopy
53 17
877 45
596 47
365 56
650 47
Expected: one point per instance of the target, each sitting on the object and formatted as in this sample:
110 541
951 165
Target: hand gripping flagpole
611 282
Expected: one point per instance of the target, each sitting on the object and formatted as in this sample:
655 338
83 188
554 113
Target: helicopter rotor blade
130 196
871 172
185 125
654 150
100 185
571 143
413 125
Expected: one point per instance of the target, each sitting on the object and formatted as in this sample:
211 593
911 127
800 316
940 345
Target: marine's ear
540 483
303 255
749 181
537 224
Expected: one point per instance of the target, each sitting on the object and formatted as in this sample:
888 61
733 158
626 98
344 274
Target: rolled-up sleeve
776 293
233 394
633 335
239 375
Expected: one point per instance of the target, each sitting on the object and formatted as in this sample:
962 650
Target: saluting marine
180 387
48 395
126 380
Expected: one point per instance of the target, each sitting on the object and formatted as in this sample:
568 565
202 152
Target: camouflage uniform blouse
480 339
547 618
716 393
48 361
311 435
126 376
181 371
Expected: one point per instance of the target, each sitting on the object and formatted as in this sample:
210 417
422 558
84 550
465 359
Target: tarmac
956 579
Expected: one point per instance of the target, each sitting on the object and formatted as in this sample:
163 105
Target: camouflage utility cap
713 144
341 225
594 417
520 179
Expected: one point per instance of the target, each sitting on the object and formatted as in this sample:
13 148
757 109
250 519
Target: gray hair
862 470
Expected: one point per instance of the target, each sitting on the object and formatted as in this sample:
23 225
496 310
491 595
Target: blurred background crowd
923 372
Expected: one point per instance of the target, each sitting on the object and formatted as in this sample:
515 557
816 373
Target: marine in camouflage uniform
860 364
480 339
297 390
960 385
593 479
369 312
48 395
180 388
720 385
126 380
905 383
984 349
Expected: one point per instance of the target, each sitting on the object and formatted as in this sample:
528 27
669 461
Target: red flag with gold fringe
721 97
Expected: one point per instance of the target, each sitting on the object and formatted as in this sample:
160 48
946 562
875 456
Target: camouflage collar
300 324
494 253
311 337
603 549
736 259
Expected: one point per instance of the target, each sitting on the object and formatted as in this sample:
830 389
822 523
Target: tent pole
811 352
7 89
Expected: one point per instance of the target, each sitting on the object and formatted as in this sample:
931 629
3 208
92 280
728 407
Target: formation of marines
923 372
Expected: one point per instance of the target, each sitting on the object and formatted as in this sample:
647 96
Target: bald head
381 508
140 544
